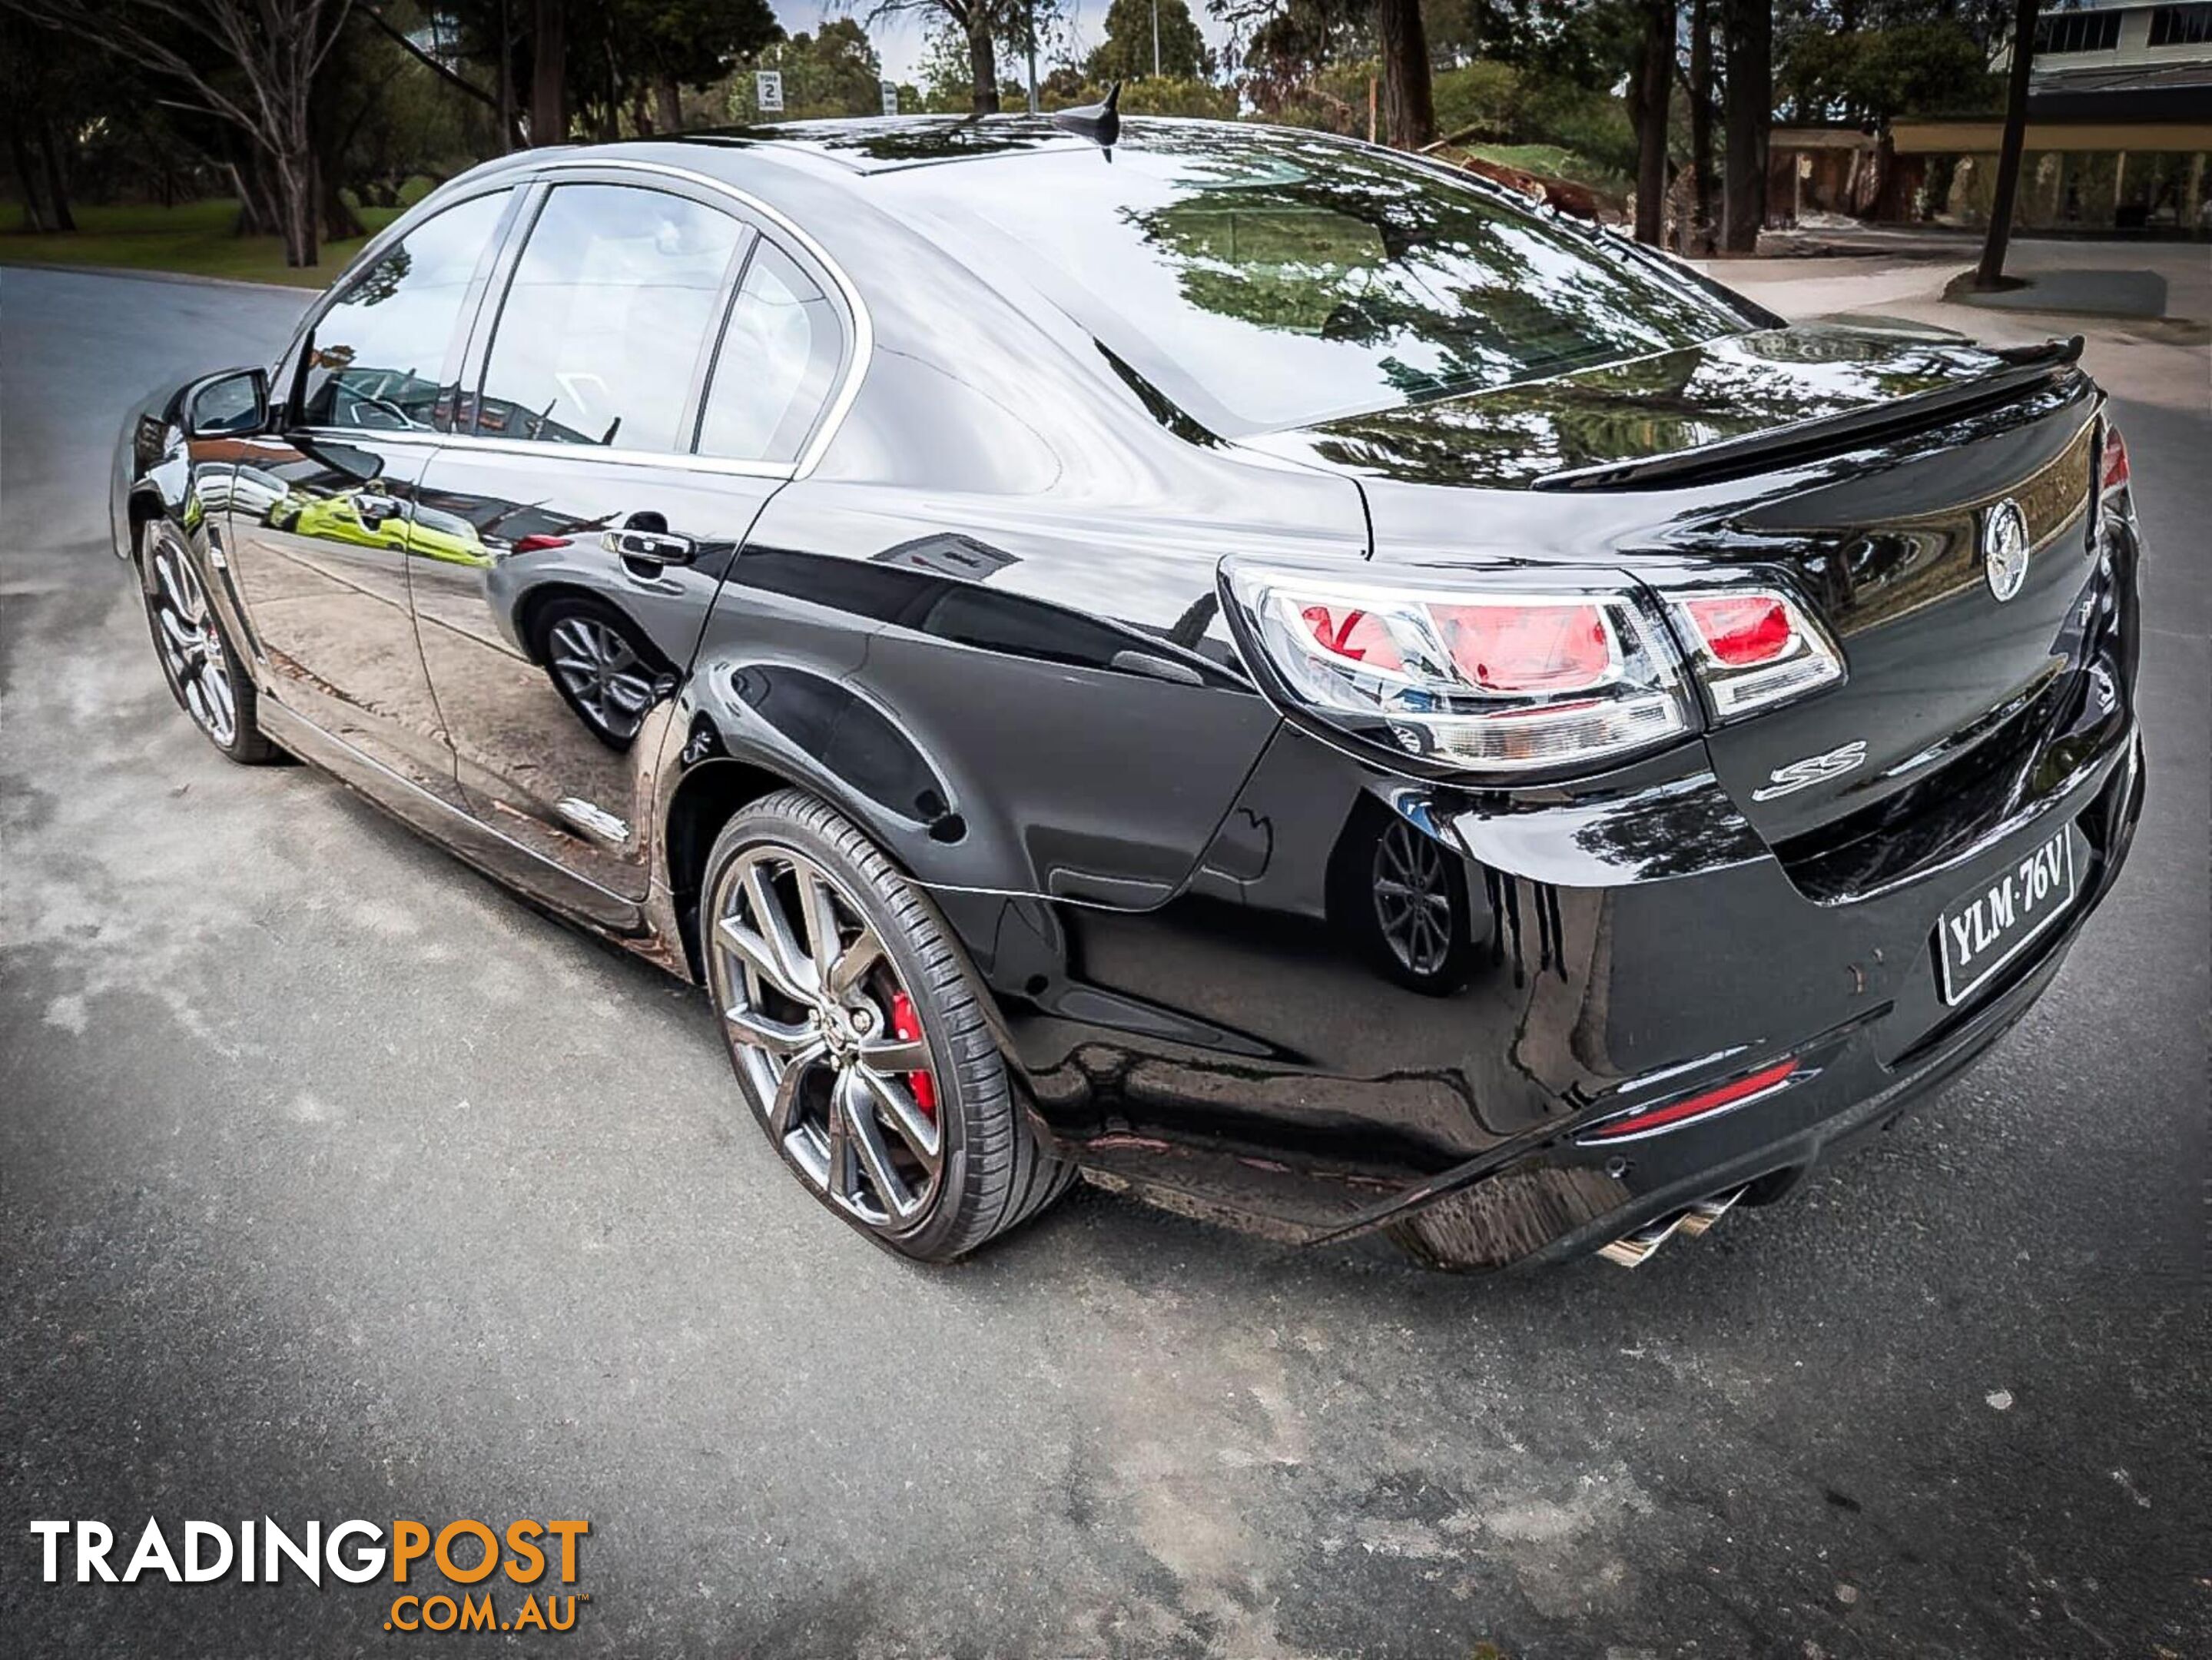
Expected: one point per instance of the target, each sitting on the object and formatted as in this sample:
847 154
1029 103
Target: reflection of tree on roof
1653 405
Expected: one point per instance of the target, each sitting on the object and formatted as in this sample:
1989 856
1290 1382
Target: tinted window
377 356
1262 282
611 303
779 355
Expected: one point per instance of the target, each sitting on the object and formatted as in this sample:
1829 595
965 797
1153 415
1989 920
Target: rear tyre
860 1039
206 675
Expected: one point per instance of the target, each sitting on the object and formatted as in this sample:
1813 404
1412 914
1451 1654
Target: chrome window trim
370 437
861 349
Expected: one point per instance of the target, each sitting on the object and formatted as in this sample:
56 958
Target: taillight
1479 671
1754 647
1516 670
2115 475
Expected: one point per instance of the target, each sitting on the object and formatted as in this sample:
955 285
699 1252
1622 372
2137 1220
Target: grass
195 238
1552 161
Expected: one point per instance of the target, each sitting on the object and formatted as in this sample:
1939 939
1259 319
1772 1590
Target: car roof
890 142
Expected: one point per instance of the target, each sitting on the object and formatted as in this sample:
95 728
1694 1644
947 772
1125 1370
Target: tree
1289 33
259 76
981 24
834 72
1650 90
1128 51
667 44
1409 109
1698 238
548 72
1989 274
1747 114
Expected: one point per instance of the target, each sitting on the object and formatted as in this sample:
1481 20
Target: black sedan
1262 670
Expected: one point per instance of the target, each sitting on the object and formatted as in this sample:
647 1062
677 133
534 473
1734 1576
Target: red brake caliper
908 1028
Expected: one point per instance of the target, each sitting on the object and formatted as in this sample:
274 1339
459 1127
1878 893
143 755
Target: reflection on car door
600 538
322 571
320 548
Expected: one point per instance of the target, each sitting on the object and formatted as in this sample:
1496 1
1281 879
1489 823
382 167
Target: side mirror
232 405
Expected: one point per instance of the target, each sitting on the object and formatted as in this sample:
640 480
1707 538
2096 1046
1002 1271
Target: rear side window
377 356
612 303
779 355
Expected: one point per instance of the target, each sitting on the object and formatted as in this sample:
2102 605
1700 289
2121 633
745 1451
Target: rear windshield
1265 280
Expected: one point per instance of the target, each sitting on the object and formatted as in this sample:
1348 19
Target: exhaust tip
1634 1249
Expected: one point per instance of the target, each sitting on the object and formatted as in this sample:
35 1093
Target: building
2119 130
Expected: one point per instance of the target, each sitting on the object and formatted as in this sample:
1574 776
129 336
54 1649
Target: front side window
376 358
613 300
779 355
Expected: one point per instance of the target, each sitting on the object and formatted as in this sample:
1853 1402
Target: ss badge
1812 769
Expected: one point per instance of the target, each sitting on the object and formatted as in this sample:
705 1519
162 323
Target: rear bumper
1248 1053
1563 1199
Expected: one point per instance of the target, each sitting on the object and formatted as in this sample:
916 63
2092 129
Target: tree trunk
503 97
1747 113
327 143
548 65
299 215
982 58
340 222
56 159
1650 90
667 105
1409 109
1989 274
34 210
1700 237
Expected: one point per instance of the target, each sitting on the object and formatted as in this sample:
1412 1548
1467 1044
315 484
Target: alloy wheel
826 1036
608 680
192 644
1413 898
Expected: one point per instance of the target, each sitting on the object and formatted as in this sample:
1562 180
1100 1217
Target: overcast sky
898 40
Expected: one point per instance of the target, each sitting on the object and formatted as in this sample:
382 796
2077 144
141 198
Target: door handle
648 547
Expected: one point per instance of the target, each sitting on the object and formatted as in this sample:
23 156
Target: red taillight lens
1742 632
1529 648
1733 1094
2116 459
1354 634
1754 647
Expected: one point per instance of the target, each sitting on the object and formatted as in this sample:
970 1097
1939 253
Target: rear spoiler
2024 367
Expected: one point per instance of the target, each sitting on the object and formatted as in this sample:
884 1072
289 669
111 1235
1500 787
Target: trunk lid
1861 463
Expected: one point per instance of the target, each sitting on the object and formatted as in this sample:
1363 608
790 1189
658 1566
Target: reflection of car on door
426 533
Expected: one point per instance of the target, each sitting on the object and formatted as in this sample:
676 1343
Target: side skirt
506 861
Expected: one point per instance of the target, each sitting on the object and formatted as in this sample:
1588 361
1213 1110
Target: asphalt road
334 1182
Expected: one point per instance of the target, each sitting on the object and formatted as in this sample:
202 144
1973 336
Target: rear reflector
1675 1113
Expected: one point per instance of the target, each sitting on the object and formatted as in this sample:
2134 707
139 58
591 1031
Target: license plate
1986 930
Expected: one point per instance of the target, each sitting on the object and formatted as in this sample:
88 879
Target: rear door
644 379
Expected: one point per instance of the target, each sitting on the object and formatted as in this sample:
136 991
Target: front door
322 512
592 534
